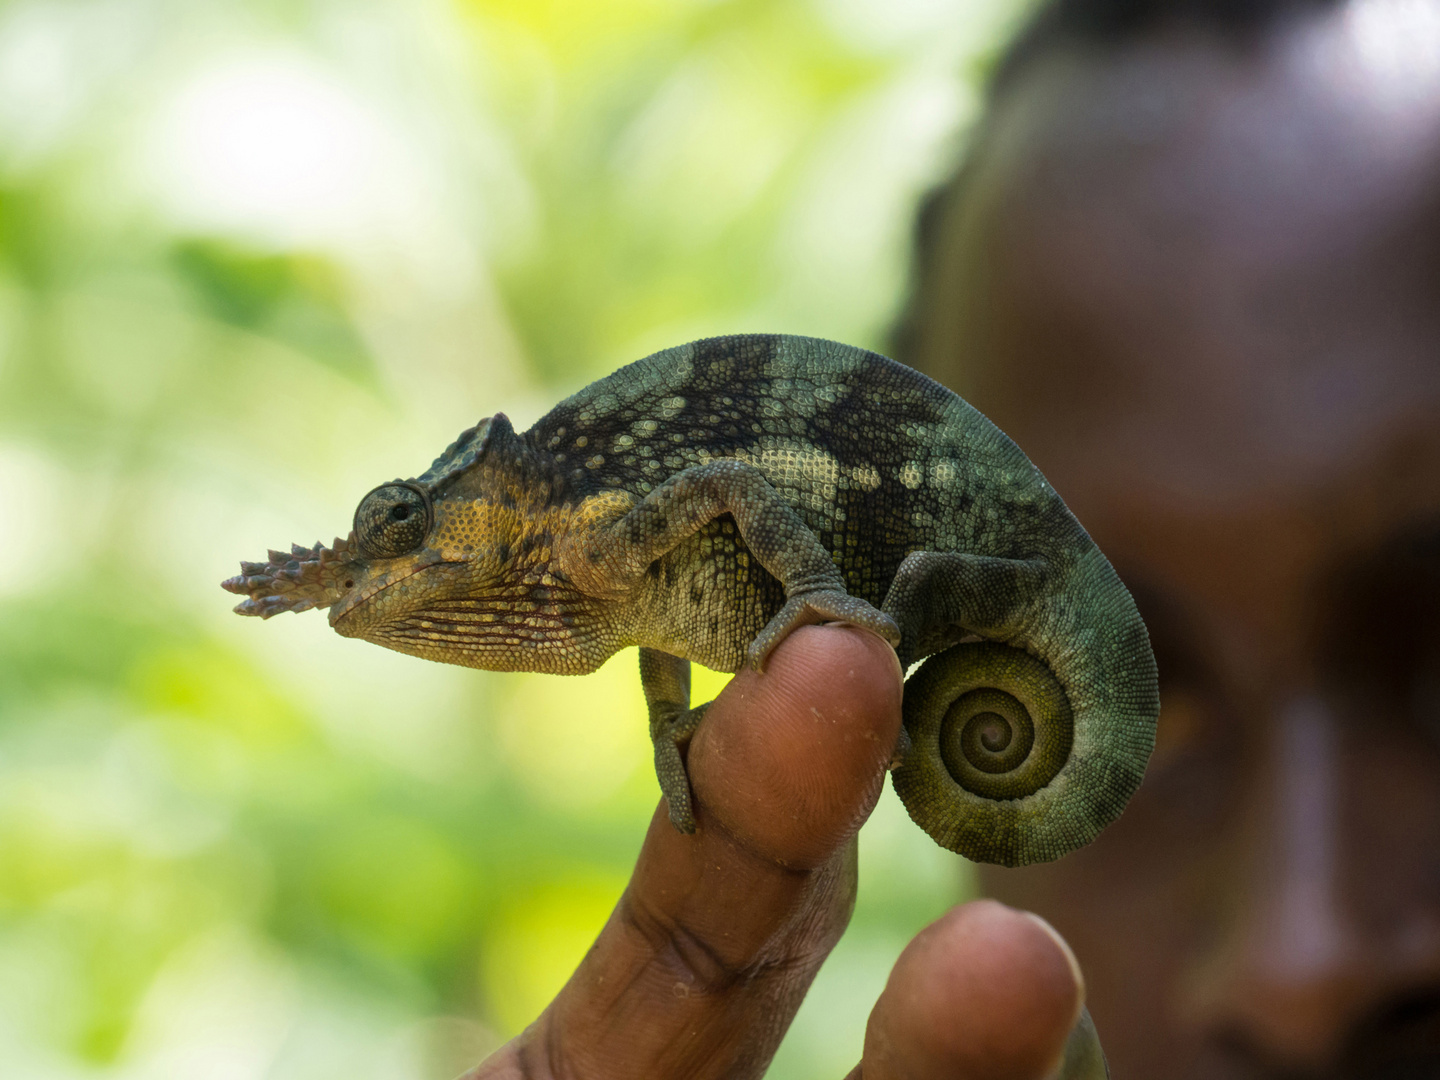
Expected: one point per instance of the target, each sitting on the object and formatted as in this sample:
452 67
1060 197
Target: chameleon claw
821 606
671 727
682 817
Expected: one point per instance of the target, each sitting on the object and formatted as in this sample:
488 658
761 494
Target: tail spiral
991 732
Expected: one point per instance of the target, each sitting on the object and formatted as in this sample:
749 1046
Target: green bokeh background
256 257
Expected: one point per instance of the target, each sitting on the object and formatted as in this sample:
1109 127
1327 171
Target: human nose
1296 972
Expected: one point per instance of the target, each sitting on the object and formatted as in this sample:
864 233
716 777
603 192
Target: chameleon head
451 566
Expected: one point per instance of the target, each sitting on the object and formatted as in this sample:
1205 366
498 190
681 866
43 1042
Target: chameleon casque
703 502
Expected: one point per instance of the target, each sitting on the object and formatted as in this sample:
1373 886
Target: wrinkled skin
1200 286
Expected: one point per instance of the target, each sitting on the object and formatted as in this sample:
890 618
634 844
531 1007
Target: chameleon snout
381 598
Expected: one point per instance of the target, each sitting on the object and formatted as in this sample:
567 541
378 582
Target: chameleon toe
820 607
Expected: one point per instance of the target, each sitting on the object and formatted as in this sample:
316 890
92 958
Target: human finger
718 935
983 993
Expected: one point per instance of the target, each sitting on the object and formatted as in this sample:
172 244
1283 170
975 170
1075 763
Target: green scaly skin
703 502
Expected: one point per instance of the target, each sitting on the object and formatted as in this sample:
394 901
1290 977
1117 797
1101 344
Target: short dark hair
1114 22
1060 24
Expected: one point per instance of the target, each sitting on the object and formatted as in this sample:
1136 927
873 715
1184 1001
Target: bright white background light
274 145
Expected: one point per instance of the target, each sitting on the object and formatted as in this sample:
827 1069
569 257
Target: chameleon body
703 502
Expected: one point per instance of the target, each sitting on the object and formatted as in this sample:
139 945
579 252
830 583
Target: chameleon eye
392 520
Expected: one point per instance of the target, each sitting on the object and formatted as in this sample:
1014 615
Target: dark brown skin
1219 336
719 934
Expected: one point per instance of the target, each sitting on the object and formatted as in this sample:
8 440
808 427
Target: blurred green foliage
295 298
256 257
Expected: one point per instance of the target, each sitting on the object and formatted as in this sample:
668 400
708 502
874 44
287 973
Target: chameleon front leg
666 681
609 560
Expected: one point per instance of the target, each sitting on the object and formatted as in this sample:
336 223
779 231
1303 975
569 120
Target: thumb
983 993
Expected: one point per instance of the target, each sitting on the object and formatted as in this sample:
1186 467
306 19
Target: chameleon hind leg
938 596
666 681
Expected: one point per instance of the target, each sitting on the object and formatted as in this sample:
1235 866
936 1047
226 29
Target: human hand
708 954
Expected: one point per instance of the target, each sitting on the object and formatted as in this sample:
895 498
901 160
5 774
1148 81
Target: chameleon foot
669 731
1084 1059
822 605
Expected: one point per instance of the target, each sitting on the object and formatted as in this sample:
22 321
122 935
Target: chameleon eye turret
392 520
705 501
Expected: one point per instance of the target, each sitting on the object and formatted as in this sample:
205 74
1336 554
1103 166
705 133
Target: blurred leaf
398 885
212 687
69 641
26 222
299 299
538 938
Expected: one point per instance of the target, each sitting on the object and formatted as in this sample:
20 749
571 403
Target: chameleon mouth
470 626
371 589
495 634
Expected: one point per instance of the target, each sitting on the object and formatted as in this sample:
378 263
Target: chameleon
703 502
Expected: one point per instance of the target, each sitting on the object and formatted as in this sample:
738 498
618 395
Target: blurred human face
1200 286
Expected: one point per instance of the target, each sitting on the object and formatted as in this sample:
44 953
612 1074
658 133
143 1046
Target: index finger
719 934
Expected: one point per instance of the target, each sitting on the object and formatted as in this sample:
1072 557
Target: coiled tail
1016 760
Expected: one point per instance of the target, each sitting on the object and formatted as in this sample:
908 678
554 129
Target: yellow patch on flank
865 477
806 471
944 472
